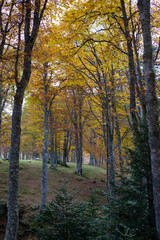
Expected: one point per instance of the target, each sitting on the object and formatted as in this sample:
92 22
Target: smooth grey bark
23 155
79 137
78 143
45 161
152 106
46 142
27 156
47 112
52 151
30 35
91 159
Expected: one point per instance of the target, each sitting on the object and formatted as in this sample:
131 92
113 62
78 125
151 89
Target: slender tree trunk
111 172
30 35
65 148
132 71
78 154
152 106
52 142
78 132
73 155
108 141
52 152
117 128
91 157
46 143
22 155
57 158
13 210
45 161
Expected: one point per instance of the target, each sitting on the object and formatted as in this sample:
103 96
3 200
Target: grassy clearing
30 180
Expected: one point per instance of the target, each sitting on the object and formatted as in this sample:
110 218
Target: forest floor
30 174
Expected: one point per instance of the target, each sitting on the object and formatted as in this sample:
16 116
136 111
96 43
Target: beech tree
30 13
152 106
6 26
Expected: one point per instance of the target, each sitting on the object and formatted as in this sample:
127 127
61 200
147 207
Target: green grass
34 165
3 166
88 171
30 178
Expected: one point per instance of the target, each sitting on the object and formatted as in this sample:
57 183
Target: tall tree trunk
78 131
45 161
46 143
65 148
52 152
108 132
152 106
91 159
52 142
73 155
139 83
132 72
13 210
31 29
22 155
117 128
111 164
78 143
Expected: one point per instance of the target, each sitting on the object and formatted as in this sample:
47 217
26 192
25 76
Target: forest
79 96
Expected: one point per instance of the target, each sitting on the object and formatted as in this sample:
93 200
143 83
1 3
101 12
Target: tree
26 11
152 106
7 25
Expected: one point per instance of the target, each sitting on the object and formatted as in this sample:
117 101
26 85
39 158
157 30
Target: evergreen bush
130 215
65 218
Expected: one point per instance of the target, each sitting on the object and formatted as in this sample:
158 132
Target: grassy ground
30 180
30 184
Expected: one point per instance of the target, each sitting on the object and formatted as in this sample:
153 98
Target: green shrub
65 218
129 215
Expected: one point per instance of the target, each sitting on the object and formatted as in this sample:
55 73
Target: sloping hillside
30 185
